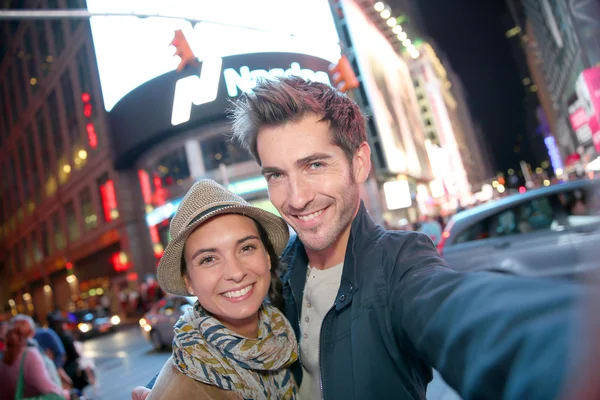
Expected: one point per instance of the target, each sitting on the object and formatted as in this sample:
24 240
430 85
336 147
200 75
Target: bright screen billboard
387 81
131 51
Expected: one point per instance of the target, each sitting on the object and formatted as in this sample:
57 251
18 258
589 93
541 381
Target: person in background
50 343
23 360
71 364
3 330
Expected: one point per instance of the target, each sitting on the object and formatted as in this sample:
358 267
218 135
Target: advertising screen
388 84
131 50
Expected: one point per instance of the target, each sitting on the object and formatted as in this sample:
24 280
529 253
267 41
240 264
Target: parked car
157 324
552 231
91 322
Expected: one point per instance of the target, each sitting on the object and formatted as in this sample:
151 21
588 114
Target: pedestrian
231 344
23 372
376 310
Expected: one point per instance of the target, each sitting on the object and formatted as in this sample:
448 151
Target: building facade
63 227
562 61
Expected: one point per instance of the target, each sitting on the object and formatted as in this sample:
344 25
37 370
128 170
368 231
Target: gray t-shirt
319 295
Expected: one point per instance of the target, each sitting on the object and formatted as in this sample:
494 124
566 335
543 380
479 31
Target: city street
125 360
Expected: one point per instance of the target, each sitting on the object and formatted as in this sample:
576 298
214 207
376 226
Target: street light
379 6
397 29
392 22
385 14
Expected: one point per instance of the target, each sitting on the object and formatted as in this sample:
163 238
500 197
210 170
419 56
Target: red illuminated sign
92 137
154 234
109 199
145 185
119 262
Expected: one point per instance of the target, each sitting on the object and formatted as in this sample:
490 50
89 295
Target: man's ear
361 163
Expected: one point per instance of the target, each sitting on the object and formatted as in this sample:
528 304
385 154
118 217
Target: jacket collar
362 233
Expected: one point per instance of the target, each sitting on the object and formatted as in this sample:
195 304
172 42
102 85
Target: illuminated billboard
132 51
387 81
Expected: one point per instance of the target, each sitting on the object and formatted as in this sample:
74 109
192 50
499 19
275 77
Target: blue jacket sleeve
491 336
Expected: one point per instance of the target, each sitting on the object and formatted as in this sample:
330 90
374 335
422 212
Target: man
375 310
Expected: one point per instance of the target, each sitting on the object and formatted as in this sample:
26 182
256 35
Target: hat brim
169 268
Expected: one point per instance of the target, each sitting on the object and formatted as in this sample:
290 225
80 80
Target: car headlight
84 327
143 322
115 320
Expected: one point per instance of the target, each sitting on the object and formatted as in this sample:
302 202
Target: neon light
145 186
109 199
162 213
248 186
85 97
154 234
92 137
197 90
554 154
87 110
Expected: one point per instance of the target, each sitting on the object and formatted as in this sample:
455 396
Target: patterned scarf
207 351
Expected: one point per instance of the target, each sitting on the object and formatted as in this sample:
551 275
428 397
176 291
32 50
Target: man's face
311 182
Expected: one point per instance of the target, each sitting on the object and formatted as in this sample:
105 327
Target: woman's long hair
16 340
276 288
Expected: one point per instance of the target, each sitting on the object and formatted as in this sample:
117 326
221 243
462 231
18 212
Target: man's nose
234 270
301 192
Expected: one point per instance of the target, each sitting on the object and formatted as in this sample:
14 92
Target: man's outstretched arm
490 335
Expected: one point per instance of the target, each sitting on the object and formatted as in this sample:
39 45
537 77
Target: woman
20 358
232 344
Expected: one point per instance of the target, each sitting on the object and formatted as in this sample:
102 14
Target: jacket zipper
319 351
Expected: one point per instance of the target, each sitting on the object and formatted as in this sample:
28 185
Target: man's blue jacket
401 311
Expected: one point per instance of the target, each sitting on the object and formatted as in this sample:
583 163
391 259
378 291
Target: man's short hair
275 102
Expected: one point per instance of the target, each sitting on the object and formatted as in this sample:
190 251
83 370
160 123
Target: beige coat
172 384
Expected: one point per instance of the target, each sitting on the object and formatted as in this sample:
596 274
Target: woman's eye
248 248
207 260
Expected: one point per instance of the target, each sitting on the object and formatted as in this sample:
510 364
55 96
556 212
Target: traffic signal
343 75
183 51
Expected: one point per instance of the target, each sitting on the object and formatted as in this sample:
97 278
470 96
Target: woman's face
228 269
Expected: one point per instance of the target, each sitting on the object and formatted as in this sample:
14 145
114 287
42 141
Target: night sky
470 33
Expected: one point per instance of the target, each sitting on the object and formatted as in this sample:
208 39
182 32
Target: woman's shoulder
172 384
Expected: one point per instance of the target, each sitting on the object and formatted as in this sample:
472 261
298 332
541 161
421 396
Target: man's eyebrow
312 158
299 163
270 170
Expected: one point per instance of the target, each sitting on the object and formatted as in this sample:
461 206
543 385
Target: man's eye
274 176
316 165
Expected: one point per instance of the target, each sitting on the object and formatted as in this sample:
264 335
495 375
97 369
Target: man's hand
140 393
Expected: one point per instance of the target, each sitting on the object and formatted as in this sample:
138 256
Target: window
75 22
22 81
59 234
535 215
70 107
12 95
220 150
72 225
171 169
46 244
579 207
37 180
4 105
36 248
55 125
476 232
83 69
24 168
87 210
44 51
59 38
45 152
26 254
29 61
